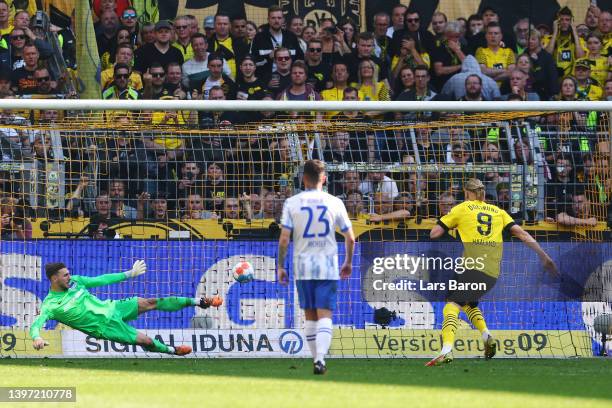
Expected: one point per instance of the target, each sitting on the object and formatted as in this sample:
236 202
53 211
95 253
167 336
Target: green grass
191 383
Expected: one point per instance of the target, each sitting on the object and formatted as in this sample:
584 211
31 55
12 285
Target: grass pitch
289 383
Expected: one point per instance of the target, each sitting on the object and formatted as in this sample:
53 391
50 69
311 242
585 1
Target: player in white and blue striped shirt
312 217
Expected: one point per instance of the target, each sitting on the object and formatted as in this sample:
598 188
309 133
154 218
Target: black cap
163 24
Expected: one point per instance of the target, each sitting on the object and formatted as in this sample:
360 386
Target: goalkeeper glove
138 269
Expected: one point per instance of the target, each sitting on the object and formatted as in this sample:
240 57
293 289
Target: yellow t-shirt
502 59
186 51
381 93
7 30
227 43
607 44
590 93
336 94
599 68
480 226
106 77
565 52
424 56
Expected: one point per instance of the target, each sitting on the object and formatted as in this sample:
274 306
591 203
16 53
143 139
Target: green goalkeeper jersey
76 307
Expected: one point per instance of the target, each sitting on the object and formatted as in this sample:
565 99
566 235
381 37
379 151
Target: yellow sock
449 326
476 317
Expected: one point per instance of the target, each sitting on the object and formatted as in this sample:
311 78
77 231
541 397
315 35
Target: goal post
193 187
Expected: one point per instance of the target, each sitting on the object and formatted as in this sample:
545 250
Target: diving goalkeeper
69 302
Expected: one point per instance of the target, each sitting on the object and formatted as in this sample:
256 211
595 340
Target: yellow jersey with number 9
480 226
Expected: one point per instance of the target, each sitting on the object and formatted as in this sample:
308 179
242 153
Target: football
243 272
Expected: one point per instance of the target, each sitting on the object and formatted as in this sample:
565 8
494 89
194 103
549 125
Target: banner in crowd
204 268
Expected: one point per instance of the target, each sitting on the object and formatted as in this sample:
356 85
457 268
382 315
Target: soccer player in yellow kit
480 226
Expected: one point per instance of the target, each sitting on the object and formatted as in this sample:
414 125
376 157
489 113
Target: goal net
194 192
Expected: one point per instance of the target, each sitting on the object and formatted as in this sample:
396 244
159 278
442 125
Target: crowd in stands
231 58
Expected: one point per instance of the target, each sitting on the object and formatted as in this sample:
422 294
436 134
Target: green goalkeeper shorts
127 309
116 329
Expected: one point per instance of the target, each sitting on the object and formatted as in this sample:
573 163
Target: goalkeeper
69 302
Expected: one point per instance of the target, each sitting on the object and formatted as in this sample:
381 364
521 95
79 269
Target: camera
331 30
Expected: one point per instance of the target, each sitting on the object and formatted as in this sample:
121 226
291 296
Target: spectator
409 56
280 79
216 77
591 18
475 26
216 187
522 151
209 27
119 207
424 40
495 61
101 219
446 201
182 27
521 29
608 90
604 28
428 152
124 55
231 210
587 89
564 44
347 35
421 92
160 51
561 189
518 83
299 90
22 35
147 34
231 49
319 73
211 119
122 37
337 151
370 85
460 154
159 207
174 75
308 34
479 40
272 38
296 26
599 63
154 82
44 84
578 213
21 19
105 33
190 179
404 82
377 182
384 208
354 205
339 77
194 209
119 88
23 81
473 89
455 87
397 19
350 184
448 56
268 207
248 85
350 94
544 70
438 26
129 21
395 148
365 51
195 70
382 42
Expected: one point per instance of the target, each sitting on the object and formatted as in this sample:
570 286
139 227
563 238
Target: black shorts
469 287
